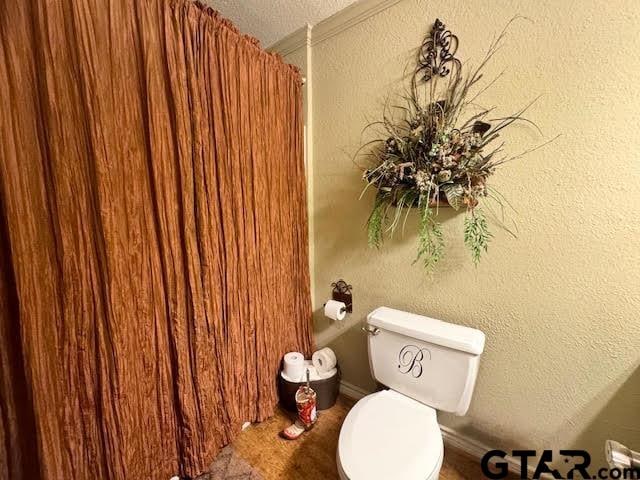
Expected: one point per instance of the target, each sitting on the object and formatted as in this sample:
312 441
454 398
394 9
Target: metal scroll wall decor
437 53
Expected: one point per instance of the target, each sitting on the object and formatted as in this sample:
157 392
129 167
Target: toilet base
343 476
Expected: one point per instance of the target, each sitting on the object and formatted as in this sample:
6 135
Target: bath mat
228 465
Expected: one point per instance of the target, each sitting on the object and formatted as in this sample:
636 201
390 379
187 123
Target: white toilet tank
431 361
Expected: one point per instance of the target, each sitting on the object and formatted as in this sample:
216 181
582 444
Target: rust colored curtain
153 236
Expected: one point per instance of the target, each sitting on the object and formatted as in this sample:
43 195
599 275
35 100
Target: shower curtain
153 236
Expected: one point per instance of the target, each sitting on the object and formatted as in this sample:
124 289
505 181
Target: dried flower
444 176
448 161
423 181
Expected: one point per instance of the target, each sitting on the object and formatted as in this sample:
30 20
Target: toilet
427 365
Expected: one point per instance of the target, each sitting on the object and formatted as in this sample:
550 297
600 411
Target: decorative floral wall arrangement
439 148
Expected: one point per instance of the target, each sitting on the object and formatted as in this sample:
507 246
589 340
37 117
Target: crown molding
292 42
348 17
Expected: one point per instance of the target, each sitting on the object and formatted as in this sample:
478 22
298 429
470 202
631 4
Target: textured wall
560 305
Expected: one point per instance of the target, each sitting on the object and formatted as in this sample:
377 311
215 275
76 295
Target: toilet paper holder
342 293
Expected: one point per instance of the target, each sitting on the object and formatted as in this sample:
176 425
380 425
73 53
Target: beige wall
560 305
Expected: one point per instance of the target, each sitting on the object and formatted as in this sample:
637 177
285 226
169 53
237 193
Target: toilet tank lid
428 329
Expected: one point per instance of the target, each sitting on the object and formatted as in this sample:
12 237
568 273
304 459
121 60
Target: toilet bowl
388 435
427 365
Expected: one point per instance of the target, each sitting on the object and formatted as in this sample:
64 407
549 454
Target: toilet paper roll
335 310
324 360
314 375
328 374
293 365
289 379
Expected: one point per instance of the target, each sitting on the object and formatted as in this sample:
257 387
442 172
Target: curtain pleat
154 262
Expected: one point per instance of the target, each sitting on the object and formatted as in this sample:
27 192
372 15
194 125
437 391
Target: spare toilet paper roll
288 379
335 310
328 374
293 365
324 360
314 375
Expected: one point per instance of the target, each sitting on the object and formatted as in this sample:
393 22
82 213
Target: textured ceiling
271 20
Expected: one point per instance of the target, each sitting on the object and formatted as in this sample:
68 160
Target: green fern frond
375 224
476 234
430 238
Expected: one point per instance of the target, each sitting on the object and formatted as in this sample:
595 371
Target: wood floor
313 456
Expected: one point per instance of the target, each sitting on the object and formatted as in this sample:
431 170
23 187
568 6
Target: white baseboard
452 438
476 450
463 443
352 391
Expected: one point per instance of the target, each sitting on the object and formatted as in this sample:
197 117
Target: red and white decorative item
307 412
306 404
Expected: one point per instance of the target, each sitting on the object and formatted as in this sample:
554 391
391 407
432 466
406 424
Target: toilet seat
388 435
